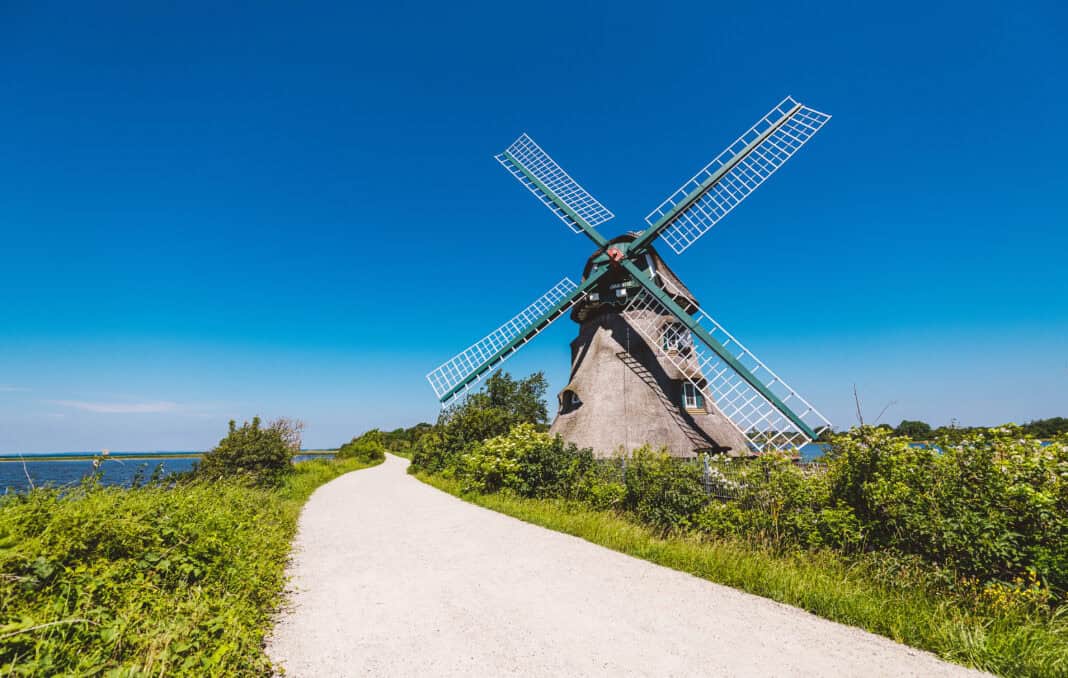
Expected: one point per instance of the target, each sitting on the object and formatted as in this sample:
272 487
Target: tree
292 431
402 440
367 447
917 430
1047 428
502 403
523 400
263 454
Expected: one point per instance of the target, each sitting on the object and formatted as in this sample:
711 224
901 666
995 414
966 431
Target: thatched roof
623 393
586 307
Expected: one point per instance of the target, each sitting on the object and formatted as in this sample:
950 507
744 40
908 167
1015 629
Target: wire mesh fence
725 478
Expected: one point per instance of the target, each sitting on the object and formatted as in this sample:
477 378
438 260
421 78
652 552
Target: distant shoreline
87 456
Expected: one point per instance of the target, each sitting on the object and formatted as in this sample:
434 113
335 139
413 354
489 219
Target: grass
150 581
820 582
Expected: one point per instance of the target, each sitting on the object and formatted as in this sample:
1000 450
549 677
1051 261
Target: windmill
649 365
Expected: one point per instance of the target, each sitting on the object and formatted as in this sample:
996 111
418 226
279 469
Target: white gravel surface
391 577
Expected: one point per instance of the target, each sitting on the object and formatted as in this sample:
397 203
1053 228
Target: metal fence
722 477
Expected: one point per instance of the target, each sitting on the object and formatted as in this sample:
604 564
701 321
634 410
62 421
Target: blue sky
293 209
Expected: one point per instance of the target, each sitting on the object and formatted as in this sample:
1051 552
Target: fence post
707 473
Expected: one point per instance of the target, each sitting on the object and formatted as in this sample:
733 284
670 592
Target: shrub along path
392 577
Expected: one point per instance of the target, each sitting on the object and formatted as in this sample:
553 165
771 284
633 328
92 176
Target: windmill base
624 394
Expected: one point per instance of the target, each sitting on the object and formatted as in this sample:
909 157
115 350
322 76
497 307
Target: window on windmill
692 398
675 337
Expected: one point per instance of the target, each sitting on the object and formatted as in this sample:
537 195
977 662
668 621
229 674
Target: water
810 451
117 468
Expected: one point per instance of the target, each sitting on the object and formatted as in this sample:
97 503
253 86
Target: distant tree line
921 430
523 396
403 440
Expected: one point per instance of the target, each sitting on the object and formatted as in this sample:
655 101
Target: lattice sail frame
553 177
455 370
793 125
763 425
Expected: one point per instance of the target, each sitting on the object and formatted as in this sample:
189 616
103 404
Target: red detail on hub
614 255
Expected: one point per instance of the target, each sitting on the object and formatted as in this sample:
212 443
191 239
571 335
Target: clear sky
293 209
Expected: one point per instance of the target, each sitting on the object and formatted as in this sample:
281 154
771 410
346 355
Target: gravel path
394 578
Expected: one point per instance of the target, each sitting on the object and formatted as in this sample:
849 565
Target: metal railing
723 478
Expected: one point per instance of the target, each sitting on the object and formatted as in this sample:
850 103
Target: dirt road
394 578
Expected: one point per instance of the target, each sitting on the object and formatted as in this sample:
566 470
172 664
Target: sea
19 473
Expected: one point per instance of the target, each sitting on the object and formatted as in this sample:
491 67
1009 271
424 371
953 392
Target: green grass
822 583
152 581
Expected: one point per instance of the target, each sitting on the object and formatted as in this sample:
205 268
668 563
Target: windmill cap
681 293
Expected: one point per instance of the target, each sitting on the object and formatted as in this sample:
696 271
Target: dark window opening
569 402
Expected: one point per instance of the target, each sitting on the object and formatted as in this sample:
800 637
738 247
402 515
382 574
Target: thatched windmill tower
624 392
649 365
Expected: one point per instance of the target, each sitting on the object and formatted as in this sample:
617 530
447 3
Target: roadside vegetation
369 447
922 431
174 576
402 441
959 546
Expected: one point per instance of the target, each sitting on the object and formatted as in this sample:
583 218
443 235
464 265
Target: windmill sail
554 187
469 366
734 174
764 424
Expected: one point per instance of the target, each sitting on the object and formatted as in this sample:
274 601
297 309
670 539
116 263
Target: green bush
525 461
603 494
917 430
662 491
776 503
493 464
555 469
501 404
263 454
367 447
402 441
990 504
